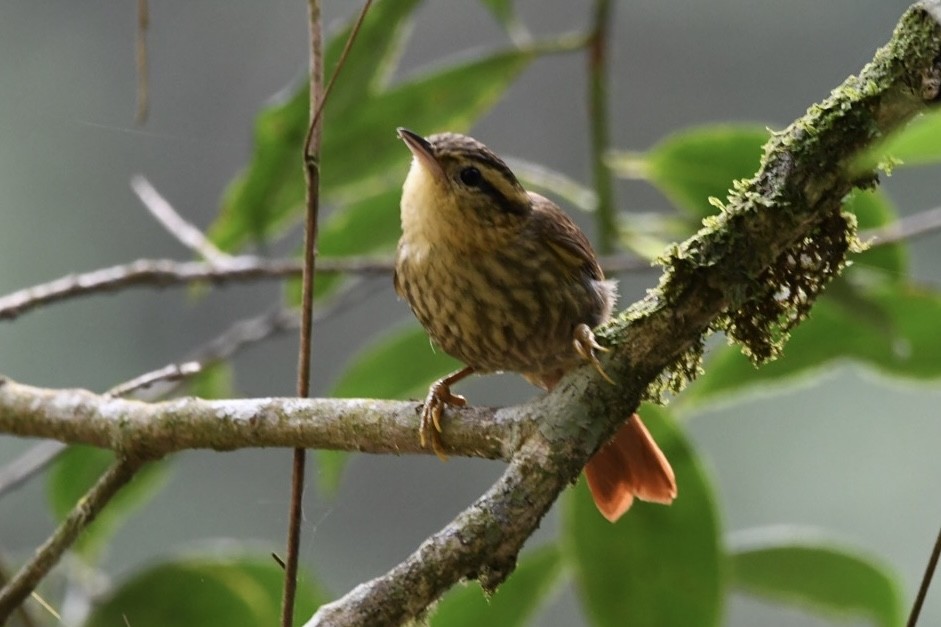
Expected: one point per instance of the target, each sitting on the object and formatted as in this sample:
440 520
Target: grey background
844 451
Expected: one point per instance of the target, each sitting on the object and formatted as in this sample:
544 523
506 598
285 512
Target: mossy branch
754 270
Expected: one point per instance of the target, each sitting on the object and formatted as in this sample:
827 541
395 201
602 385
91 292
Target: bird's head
458 191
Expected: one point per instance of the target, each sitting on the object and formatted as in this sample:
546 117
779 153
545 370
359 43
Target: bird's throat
427 209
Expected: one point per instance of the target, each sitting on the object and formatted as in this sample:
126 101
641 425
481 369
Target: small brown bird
503 280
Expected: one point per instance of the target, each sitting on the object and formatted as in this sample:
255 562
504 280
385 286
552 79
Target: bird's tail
630 465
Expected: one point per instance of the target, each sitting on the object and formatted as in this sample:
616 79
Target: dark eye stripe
465 151
494 166
506 205
493 163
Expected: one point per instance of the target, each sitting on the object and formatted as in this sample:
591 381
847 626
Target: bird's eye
471 176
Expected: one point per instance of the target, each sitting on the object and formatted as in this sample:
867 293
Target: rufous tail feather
630 465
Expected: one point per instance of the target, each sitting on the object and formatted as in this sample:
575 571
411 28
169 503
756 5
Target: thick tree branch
482 542
153 430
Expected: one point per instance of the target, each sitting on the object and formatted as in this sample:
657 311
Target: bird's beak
422 150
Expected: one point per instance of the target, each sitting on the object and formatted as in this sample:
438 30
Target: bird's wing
563 236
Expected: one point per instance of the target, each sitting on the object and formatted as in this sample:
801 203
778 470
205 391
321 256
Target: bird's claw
439 395
585 345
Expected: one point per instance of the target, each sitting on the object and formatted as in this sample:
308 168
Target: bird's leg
439 395
585 345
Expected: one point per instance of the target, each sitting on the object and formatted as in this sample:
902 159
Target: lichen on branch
781 236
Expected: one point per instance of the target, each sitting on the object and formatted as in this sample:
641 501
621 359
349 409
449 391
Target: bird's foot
585 345
439 395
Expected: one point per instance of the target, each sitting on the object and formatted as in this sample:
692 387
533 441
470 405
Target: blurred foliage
75 471
233 589
398 365
794 566
656 566
916 144
694 165
533 581
360 155
215 380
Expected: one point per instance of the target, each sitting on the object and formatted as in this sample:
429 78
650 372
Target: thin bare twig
32 572
248 331
598 120
143 98
311 154
28 464
311 161
220 348
22 612
315 118
905 229
925 582
226 344
44 604
167 272
173 222
169 373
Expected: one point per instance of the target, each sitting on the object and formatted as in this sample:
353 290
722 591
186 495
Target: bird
503 280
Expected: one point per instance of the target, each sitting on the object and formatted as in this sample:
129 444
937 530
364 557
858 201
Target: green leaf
360 147
270 191
534 579
780 565
919 143
402 364
196 591
360 153
912 344
505 13
890 327
74 473
330 467
693 165
373 55
213 381
502 10
657 565
648 234
873 209
369 225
